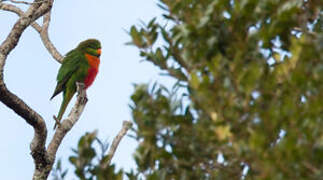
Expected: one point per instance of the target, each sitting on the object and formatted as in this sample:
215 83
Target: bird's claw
84 100
81 92
80 87
57 122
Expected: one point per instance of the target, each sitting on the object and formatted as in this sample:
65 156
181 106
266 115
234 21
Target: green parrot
79 65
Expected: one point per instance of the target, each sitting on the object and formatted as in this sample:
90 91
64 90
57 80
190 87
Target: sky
30 72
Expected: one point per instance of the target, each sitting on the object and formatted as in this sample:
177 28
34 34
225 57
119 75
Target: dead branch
12 101
126 125
19 12
42 30
46 41
43 158
23 2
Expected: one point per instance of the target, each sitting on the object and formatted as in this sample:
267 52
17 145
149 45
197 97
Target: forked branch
42 30
14 102
43 158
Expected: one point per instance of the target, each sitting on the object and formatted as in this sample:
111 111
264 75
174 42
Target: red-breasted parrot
79 65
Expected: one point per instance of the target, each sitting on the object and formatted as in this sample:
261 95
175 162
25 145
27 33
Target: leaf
137 37
73 160
64 173
195 82
59 165
223 132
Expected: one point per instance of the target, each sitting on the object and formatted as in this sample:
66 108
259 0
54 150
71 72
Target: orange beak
99 51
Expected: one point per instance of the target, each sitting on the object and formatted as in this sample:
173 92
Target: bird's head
90 46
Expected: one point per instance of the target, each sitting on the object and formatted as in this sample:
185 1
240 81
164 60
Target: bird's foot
57 122
84 100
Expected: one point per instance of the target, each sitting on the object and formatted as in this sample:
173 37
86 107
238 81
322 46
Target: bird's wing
71 63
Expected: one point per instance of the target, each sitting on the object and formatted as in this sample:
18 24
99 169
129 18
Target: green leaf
137 37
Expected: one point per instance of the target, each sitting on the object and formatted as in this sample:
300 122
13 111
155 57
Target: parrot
79 65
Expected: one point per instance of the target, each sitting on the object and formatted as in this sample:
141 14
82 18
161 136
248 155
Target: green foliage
250 90
58 172
90 164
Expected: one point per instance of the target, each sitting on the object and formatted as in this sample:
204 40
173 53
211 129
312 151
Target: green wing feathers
70 64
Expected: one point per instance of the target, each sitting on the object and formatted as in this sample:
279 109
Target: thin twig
46 41
126 125
25 2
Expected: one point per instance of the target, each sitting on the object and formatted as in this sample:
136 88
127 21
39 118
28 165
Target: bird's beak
99 51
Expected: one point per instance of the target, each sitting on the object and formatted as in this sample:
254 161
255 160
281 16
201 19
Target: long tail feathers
67 98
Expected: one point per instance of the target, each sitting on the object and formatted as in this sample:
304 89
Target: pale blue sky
30 73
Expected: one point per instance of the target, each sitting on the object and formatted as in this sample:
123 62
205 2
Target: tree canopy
247 102
248 98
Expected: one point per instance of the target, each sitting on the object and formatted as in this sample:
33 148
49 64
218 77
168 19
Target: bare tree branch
43 158
62 130
69 122
12 39
18 2
19 12
37 145
8 98
126 125
13 102
46 41
24 2
43 31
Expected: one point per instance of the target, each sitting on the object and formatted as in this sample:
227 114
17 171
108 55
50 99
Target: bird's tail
67 98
